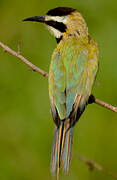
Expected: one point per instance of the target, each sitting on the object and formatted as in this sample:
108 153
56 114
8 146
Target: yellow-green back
72 72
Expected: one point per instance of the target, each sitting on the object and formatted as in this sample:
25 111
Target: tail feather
67 151
62 147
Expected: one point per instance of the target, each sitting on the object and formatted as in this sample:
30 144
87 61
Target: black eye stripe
60 11
57 25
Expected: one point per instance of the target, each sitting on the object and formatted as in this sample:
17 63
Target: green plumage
72 74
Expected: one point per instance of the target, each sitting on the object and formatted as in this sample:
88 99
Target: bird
72 73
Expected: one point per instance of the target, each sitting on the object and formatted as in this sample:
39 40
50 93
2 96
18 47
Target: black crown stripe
60 11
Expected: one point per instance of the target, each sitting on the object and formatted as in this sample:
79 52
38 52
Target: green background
26 126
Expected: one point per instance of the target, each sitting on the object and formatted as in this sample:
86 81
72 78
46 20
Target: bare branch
26 61
19 47
106 105
91 164
92 99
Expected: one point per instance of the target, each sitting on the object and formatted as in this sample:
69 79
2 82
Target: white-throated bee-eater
73 69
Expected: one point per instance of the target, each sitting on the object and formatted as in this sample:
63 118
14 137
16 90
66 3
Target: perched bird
73 69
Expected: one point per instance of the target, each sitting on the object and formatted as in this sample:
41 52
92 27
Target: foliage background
26 126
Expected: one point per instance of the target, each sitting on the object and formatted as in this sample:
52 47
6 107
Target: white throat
54 32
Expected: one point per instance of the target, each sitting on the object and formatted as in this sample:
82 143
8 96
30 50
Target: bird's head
63 21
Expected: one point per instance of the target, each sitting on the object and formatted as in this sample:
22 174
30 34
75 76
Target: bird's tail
62 147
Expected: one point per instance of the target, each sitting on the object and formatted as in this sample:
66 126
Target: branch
26 61
92 99
91 164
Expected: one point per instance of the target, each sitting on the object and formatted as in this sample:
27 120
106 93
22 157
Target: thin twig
19 47
92 99
26 61
106 105
91 164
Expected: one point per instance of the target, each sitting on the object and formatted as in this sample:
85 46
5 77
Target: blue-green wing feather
57 84
72 72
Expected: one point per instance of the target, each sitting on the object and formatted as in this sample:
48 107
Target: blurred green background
26 126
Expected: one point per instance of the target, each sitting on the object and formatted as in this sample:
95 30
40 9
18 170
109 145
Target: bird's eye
51 23
54 23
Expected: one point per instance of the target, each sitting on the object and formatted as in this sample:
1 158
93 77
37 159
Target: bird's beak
36 18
